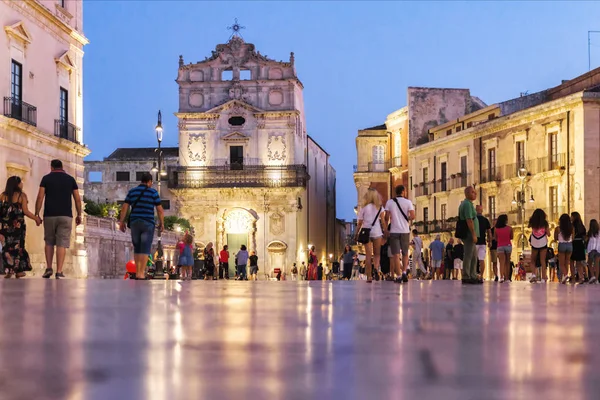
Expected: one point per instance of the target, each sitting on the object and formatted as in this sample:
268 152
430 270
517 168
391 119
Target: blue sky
355 59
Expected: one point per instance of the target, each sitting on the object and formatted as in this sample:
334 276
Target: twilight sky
355 59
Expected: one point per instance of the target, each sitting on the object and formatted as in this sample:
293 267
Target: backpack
294 270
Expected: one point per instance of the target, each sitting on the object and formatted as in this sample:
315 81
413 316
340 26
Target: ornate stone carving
276 148
237 91
198 224
239 221
277 223
277 246
197 147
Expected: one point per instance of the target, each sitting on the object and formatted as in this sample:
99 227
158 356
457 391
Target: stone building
42 110
108 181
246 171
382 151
550 138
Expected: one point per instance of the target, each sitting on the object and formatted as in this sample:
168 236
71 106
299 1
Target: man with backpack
399 213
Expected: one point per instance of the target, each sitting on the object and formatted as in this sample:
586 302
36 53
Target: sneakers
533 279
564 280
59 275
496 279
500 281
593 280
404 278
47 274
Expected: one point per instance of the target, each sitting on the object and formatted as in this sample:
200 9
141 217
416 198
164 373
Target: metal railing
66 130
434 227
534 166
379 166
226 177
19 110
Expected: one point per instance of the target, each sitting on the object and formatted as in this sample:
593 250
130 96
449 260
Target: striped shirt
144 208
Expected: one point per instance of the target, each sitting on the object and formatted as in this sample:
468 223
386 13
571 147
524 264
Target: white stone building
41 48
247 171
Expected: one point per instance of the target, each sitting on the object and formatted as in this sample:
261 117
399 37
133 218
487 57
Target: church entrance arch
238 227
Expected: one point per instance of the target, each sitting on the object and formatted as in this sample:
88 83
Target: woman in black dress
578 255
13 210
209 261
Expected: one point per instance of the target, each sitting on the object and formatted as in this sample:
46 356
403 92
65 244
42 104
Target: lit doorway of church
234 241
236 157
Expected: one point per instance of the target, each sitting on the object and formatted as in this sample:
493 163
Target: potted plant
416 185
453 176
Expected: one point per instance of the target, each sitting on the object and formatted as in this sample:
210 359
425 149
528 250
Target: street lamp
522 174
157 168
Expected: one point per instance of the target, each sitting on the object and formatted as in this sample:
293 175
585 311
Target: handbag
364 236
133 207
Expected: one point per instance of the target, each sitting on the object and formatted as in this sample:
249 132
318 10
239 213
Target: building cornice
541 114
61 24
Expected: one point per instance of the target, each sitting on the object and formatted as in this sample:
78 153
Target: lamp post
158 168
522 174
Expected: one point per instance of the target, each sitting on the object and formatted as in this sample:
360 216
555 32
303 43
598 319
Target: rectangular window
64 106
458 128
166 204
122 176
63 3
425 180
553 151
236 157
469 124
245 75
553 200
449 132
227 75
16 90
492 207
491 116
463 171
425 214
95 176
491 165
138 175
520 153
444 176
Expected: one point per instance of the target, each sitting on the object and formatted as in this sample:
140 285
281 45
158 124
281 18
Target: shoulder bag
364 236
133 207
462 229
401 212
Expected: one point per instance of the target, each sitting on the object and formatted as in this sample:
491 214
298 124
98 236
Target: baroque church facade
247 172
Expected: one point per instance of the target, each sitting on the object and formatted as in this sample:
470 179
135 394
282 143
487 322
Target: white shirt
418 242
399 223
593 244
367 214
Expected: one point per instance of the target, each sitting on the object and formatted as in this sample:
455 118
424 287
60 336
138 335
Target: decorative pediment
65 61
234 104
235 137
19 32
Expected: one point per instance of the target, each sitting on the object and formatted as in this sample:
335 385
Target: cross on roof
235 28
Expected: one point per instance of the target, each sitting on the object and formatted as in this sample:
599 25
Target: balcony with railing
534 166
429 227
223 176
19 110
66 130
383 166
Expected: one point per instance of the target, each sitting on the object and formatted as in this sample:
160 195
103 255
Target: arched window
378 157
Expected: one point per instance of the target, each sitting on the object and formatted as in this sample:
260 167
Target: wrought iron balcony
383 166
223 176
19 110
65 130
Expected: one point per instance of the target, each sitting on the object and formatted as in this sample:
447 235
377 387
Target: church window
227 75
245 75
237 121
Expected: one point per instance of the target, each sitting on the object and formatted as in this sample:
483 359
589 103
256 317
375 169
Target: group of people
56 192
387 228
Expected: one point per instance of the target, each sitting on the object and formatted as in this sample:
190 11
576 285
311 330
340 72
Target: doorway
236 157
234 241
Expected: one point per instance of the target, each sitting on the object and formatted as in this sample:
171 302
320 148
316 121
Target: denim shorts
565 247
142 235
504 249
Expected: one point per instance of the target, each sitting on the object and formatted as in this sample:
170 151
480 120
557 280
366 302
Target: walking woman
186 257
539 243
503 234
209 261
241 262
593 250
578 255
371 216
564 235
312 264
348 260
13 210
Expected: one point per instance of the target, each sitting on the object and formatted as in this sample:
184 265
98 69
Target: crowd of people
385 233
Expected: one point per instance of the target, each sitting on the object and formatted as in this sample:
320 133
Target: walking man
466 212
303 271
399 212
56 191
436 252
417 244
485 236
142 200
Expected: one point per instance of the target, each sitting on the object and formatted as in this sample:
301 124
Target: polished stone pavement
115 339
